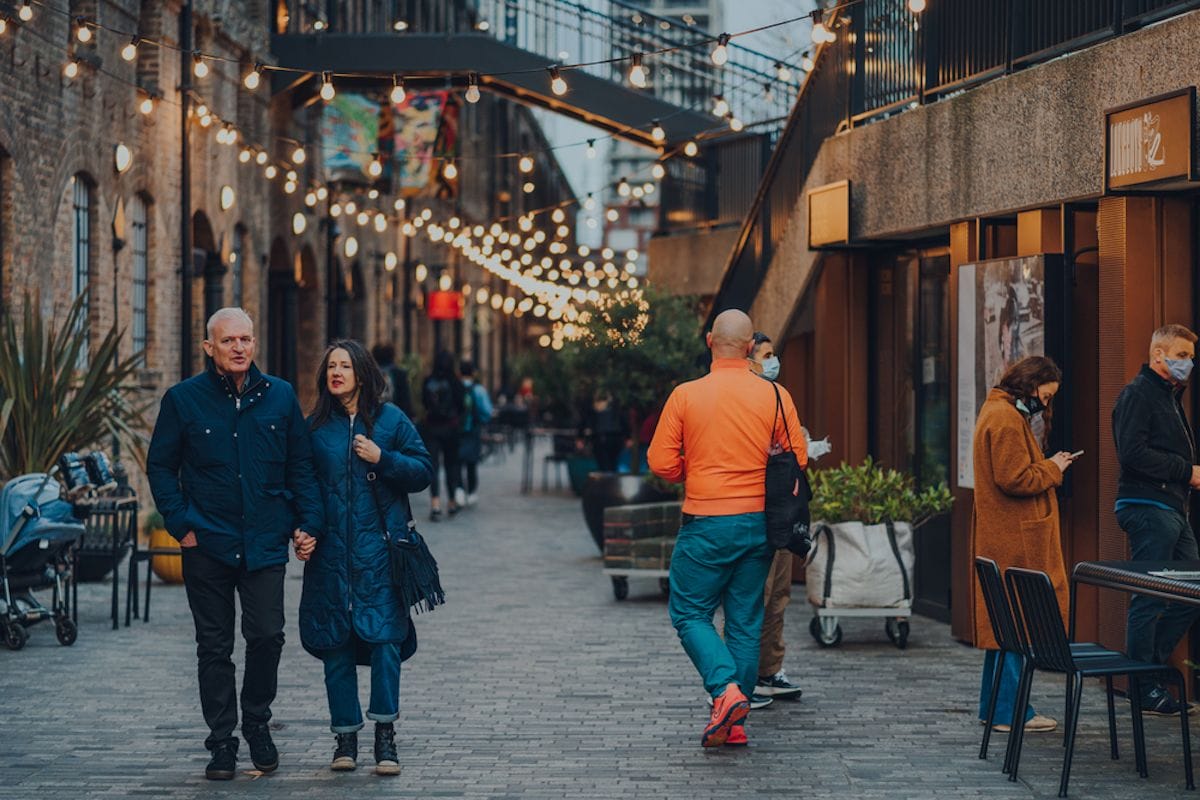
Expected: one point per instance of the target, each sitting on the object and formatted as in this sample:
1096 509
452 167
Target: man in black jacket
230 467
1157 454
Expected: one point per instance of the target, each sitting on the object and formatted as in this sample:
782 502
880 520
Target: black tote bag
787 493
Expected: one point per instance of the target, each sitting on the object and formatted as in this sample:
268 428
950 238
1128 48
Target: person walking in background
368 457
1157 454
444 399
772 679
714 435
396 390
605 426
477 414
230 467
1014 521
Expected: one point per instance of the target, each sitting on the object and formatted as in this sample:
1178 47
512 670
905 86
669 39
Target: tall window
236 270
139 228
81 250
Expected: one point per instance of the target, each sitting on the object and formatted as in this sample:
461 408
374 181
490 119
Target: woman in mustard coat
1015 518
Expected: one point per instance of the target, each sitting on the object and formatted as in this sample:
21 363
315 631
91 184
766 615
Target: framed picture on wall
1008 309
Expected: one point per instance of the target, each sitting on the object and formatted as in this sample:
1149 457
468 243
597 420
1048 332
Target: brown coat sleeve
1015 472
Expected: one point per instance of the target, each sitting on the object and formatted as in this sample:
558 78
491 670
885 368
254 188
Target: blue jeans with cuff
1007 696
341 685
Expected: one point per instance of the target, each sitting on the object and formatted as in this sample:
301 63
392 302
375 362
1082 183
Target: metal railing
886 60
570 32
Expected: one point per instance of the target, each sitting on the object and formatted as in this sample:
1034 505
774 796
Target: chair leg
1186 730
1072 723
116 571
1016 739
1139 732
1112 718
998 672
149 581
1067 705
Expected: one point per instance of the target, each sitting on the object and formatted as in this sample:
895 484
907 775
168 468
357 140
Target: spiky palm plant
49 405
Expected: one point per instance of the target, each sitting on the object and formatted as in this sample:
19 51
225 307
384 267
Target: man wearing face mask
1157 454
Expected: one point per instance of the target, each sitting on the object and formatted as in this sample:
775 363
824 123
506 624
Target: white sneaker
472 499
460 497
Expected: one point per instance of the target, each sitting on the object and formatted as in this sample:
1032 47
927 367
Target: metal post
407 299
331 276
185 190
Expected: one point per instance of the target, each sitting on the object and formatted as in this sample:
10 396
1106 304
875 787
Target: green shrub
870 494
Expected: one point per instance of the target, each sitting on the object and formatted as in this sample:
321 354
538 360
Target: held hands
1062 460
304 544
1195 481
367 450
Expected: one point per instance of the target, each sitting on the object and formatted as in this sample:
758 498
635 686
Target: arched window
139 227
81 258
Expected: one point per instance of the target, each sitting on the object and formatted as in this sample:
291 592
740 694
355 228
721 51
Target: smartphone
1076 454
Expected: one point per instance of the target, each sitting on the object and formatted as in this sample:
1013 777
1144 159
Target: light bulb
691 149
807 63
253 78
122 157
271 171
591 148
720 53
147 105
657 133
205 120
483 26
525 164
735 124
558 215
589 203
557 84
82 32
26 11
421 272
292 176
261 157
71 69
389 262
472 95
202 110
322 193
380 223
129 51
398 205
231 134
445 282
623 188
637 73
327 90
199 68
289 187
449 172
299 223
310 199
400 25
298 154
658 171
528 187
351 247
720 106
916 6
363 218
335 210
319 25
398 93
782 72
3 25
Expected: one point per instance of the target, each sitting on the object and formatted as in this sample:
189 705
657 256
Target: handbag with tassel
414 569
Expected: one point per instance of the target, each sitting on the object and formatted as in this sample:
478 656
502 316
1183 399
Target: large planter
604 489
578 469
169 568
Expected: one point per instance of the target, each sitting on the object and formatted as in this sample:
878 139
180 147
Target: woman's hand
367 450
1062 460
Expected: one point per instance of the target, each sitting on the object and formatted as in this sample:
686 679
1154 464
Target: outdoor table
1134 577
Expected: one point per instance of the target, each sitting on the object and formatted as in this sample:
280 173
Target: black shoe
223 764
435 515
1158 701
778 686
262 749
386 760
345 757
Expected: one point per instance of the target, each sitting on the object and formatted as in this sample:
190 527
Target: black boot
262 749
345 757
386 761
224 762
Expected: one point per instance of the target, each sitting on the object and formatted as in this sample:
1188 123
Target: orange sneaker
737 737
728 710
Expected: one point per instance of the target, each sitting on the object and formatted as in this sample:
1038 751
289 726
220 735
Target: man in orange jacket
715 434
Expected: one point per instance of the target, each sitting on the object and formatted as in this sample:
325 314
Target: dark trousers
443 449
1153 627
210 588
606 447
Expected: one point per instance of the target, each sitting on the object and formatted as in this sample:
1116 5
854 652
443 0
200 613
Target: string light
472 94
623 188
557 84
71 69
720 106
691 149
327 90
199 68
526 164
720 53
398 93
400 25
26 11
261 157
782 72
310 199
253 77
483 26
298 155
528 187
271 171
820 32
319 24
916 6
806 63
380 223
450 171
735 124
147 104
657 133
3 24
375 167
591 148
637 73
390 261
129 51
658 171
82 32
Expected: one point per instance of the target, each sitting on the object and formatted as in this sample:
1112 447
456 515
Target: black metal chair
1007 634
110 531
1043 633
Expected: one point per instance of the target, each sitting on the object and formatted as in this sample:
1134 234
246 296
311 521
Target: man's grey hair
228 313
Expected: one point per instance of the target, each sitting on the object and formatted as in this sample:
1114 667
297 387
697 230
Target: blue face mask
1180 368
770 368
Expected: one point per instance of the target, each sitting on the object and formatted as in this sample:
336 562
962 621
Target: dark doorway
282 314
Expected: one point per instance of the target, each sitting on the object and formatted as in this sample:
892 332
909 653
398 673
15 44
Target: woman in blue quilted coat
349 612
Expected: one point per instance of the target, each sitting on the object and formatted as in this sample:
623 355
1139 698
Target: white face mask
770 368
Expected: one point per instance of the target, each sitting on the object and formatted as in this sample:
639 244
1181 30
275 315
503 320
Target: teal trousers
721 561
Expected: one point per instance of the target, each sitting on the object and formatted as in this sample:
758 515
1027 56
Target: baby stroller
38 530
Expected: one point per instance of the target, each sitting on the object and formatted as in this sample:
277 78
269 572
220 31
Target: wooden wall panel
964 249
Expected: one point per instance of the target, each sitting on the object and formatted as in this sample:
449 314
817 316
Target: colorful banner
350 130
417 123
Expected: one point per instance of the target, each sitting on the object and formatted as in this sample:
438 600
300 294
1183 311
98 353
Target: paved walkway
535 683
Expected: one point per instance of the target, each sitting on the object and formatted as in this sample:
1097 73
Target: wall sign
444 305
829 215
1150 144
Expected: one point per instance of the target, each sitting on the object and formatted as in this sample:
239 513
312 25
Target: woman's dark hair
371 385
1023 378
443 365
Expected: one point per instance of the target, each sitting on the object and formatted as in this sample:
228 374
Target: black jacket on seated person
1155 445
236 468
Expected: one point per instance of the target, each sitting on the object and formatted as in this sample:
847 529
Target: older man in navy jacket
230 466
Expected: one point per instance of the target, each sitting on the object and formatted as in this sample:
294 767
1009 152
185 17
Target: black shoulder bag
787 494
414 569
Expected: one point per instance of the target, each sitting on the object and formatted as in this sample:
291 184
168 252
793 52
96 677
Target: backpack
469 409
439 401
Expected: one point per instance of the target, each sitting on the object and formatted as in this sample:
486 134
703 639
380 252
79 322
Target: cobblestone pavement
535 683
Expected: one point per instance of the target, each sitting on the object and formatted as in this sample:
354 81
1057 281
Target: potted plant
55 398
634 346
863 522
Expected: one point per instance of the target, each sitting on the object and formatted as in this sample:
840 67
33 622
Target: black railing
886 59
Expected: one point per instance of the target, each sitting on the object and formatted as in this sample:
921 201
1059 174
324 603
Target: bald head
731 335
